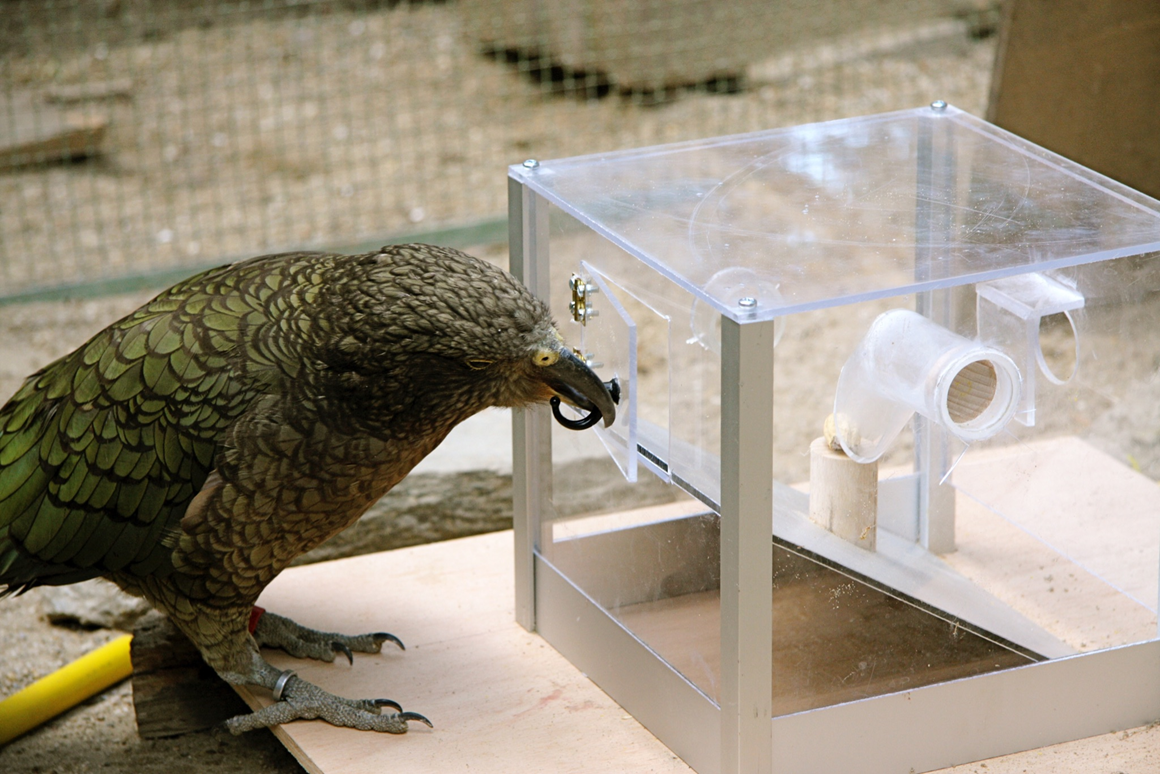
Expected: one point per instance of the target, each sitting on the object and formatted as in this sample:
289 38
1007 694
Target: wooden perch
174 690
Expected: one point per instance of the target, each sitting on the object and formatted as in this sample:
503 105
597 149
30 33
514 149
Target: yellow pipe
66 687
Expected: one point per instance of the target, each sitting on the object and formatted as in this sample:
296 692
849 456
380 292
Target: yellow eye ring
545 357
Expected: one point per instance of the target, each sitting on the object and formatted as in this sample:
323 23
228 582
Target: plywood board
1064 534
501 699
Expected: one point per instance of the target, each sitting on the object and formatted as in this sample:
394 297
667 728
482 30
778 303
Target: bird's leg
301 700
222 636
275 631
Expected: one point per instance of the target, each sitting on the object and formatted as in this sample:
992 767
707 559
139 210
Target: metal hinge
579 305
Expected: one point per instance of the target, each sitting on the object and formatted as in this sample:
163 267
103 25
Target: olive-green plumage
192 449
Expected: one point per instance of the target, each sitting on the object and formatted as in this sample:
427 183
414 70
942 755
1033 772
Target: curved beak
578 385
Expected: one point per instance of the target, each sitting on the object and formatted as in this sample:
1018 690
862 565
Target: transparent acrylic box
976 570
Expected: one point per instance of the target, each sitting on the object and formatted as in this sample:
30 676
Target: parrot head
464 331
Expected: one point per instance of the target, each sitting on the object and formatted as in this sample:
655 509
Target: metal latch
579 305
588 358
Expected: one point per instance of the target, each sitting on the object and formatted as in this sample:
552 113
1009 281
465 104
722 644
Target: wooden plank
1083 79
117 88
1064 534
502 700
35 132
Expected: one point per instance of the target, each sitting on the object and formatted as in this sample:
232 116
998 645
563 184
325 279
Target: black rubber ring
574 424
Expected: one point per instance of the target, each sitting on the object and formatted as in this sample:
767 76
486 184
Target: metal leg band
280 683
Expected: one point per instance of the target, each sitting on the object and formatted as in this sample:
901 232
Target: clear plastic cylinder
906 363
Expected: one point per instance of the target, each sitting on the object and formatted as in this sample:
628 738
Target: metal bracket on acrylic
579 306
609 345
1010 311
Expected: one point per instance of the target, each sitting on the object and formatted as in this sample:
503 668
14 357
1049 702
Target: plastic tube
65 688
906 363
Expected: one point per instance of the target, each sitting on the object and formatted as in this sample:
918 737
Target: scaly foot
300 700
275 631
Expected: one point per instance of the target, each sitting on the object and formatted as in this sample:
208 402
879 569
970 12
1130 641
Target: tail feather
20 571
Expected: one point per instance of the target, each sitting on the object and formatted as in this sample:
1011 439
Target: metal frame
531 427
918 730
936 499
746 546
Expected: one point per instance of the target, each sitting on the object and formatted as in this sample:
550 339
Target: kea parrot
191 450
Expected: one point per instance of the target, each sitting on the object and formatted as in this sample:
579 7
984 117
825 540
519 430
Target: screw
531 164
938 105
748 302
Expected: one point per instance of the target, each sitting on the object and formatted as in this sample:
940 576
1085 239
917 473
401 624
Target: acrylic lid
847 210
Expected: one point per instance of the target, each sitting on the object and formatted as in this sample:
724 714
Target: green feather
25 407
218 321
16 445
43 528
97 545
80 422
152 501
129 497
170 450
146 465
67 492
135 345
124 548
152 370
192 370
89 485
163 339
86 385
71 522
82 538
195 305
126 462
51 451
127 384
107 454
103 492
17 499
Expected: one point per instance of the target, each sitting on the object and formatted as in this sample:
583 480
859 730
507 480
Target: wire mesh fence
141 135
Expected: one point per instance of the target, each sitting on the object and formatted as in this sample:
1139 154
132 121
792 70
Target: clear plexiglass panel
979 318
825 214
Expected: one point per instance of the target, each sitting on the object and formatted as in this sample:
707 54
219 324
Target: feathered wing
102 451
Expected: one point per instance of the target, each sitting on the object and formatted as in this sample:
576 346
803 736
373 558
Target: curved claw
387 703
343 648
416 716
381 637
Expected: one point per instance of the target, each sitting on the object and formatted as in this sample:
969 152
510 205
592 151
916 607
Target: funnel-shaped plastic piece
906 363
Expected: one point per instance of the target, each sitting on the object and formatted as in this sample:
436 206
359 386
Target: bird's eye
545 357
477 363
